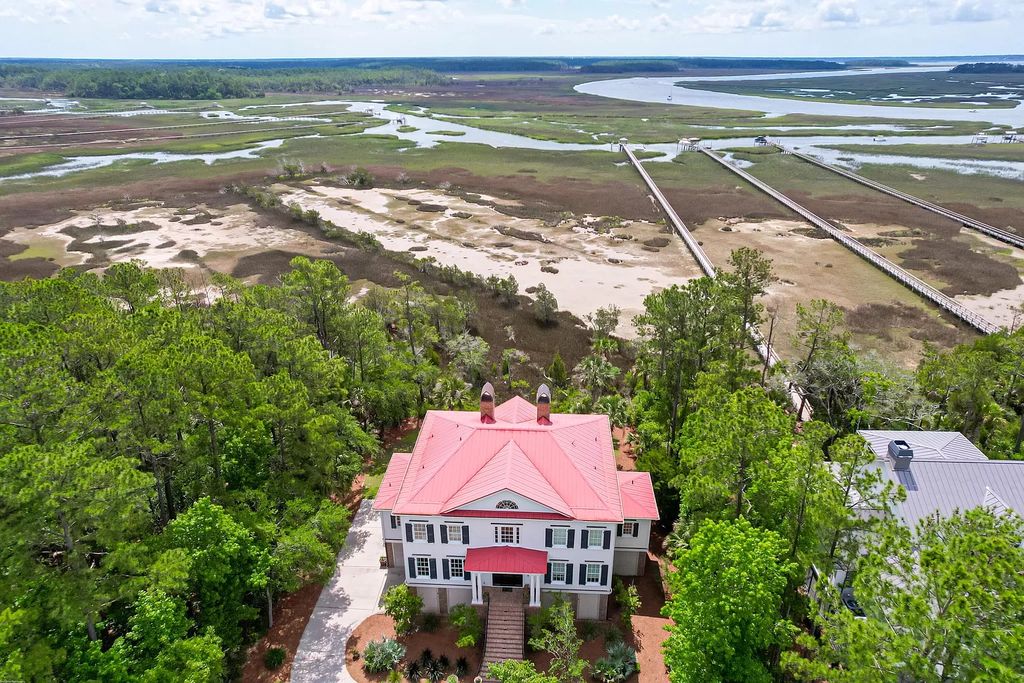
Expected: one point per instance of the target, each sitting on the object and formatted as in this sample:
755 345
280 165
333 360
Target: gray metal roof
947 446
946 475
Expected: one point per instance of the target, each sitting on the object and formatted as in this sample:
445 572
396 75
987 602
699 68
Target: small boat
879 138
669 98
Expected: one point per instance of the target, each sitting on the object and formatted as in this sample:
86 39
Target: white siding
532 536
491 502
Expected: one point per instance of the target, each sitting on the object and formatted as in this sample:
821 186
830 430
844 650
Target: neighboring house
514 497
941 472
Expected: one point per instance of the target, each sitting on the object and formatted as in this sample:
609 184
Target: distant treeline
619 65
179 82
988 68
876 62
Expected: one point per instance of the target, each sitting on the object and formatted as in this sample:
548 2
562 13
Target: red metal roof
391 484
506 560
567 466
637 496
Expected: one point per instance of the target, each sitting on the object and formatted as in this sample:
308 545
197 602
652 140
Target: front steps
506 628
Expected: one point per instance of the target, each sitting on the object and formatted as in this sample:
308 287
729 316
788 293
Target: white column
477 590
534 590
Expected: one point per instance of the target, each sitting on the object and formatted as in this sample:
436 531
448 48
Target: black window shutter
465 534
444 533
433 568
408 533
607 539
468 576
571 537
583 574
584 539
604 575
618 530
412 568
444 568
547 538
568 572
547 574
394 521
636 528
430 533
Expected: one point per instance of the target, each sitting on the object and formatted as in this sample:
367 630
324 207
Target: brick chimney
543 405
487 404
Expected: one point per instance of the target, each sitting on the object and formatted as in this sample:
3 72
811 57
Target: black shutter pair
433 568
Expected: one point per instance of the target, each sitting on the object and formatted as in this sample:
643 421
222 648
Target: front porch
504 567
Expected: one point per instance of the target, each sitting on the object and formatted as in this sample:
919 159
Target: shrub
274 658
444 662
429 622
537 622
394 676
434 670
360 179
467 620
618 665
461 667
426 657
545 306
403 605
412 670
452 679
382 655
629 602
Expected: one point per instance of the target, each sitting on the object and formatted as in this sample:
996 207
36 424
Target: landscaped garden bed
440 642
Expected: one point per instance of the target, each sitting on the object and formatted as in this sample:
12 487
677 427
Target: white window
419 532
507 505
593 573
560 537
506 534
422 567
558 572
455 533
628 528
456 568
595 537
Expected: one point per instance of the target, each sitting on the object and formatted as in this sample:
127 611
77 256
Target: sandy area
812 268
158 235
1003 308
593 269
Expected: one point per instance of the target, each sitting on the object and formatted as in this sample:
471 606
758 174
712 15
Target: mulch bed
440 642
290 616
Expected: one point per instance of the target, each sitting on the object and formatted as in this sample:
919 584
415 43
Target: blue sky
354 28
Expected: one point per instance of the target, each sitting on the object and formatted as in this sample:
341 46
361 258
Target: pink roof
506 560
391 484
637 496
568 466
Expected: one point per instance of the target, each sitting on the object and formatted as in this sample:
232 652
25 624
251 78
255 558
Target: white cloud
509 4
972 10
838 12
612 22
404 13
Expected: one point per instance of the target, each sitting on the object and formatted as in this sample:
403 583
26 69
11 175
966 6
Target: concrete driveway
352 594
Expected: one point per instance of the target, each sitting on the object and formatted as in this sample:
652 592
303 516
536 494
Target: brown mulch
290 616
440 642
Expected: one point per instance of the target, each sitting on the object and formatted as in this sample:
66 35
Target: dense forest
206 83
988 68
168 468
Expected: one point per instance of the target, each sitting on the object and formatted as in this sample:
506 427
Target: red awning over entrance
506 560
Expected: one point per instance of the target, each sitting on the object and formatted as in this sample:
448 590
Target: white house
514 497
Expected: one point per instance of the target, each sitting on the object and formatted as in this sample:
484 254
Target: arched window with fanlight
507 505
